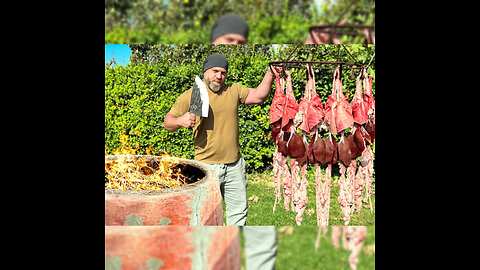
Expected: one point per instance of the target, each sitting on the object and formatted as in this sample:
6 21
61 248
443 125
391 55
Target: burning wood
132 172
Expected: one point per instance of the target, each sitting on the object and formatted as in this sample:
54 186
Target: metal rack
323 65
290 64
332 31
319 64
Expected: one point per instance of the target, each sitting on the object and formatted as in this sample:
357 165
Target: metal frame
331 31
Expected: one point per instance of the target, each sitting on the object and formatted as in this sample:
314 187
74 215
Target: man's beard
213 87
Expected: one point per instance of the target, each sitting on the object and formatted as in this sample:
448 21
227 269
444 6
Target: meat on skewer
359 105
300 198
370 103
338 112
343 114
276 112
291 106
315 114
364 132
296 149
278 172
343 119
279 99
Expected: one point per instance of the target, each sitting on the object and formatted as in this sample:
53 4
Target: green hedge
137 98
269 29
183 21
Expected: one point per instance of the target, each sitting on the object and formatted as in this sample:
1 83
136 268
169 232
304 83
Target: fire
131 172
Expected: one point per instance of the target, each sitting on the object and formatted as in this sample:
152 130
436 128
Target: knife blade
199 103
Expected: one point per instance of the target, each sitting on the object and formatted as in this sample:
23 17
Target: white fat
298 119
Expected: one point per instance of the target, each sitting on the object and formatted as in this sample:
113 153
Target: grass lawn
296 250
260 213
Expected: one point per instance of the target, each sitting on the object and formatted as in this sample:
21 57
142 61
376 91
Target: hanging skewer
286 64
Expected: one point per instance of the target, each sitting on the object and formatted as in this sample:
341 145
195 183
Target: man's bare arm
259 95
173 123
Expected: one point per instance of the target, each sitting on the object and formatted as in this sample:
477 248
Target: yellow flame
129 172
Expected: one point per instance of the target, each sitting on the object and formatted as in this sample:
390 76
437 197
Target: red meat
330 108
331 150
295 146
317 147
370 101
304 104
344 152
338 112
368 95
291 106
359 106
358 138
278 101
315 111
343 114
281 142
276 130
355 152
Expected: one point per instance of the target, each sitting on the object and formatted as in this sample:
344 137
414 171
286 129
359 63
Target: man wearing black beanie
214 61
216 137
229 29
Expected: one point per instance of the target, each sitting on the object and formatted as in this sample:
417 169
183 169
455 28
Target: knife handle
190 119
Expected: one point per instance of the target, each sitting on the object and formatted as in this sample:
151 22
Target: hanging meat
338 112
301 119
357 119
358 133
366 172
280 167
297 150
343 114
291 106
295 147
346 193
347 184
278 173
278 104
359 106
364 113
317 150
370 103
356 144
309 115
289 143
370 128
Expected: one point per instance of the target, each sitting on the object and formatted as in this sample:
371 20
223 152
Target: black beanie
215 60
229 24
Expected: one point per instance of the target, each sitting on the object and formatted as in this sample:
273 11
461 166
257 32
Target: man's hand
187 120
259 95
173 123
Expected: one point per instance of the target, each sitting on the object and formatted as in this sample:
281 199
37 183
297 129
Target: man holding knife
260 241
216 136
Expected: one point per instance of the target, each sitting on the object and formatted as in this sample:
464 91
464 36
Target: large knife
199 100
